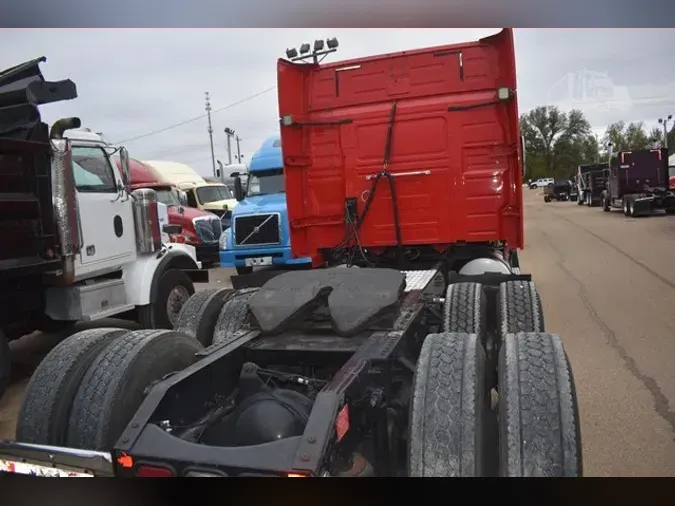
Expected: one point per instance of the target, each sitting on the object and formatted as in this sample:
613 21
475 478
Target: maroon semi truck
638 183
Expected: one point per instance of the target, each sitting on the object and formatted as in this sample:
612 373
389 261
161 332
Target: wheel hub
178 296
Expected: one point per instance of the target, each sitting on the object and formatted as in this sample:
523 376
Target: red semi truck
200 229
414 348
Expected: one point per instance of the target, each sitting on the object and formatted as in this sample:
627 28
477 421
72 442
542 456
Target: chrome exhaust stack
64 197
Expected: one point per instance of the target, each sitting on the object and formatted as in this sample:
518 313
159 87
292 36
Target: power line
201 116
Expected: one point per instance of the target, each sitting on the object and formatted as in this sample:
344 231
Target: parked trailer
415 348
591 182
638 183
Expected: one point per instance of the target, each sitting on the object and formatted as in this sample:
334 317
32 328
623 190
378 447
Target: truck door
106 218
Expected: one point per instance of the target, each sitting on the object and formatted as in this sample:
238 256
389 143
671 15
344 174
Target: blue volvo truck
259 234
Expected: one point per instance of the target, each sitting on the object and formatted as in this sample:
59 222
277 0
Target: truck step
108 313
92 301
418 280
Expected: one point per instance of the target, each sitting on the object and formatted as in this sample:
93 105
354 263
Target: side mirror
238 189
172 229
124 164
182 198
218 173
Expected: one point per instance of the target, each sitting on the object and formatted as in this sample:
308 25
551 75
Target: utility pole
229 133
208 113
664 121
237 138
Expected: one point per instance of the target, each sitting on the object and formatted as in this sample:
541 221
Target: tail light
146 471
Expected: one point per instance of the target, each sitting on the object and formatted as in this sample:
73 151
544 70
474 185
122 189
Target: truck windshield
167 197
208 194
266 182
671 170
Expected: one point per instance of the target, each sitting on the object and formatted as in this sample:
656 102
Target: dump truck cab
260 233
415 347
82 247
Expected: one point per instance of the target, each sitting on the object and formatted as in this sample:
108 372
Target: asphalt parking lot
607 284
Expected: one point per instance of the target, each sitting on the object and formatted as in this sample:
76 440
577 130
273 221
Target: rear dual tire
452 426
200 314
453 430
539 430
118 380
449 435
629 207
43 417
88 388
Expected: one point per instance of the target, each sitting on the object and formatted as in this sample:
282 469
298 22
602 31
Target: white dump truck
76 244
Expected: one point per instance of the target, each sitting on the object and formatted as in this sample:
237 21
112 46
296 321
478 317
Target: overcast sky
135 81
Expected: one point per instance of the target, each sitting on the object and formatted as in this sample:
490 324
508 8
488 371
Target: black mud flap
197 275
643 206
254 280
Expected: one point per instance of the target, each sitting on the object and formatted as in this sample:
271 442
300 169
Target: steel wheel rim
175 301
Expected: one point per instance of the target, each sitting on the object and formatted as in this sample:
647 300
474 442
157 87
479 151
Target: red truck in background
200 229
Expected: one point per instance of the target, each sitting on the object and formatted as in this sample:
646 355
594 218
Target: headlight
224 241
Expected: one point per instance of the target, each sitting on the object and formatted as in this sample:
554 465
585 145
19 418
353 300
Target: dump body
455 146
592 177
26 211
591 180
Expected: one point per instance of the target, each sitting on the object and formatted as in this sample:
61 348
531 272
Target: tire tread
539 418
447 424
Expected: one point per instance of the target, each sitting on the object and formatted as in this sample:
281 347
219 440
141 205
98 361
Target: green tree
657 134
628 137
556 141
